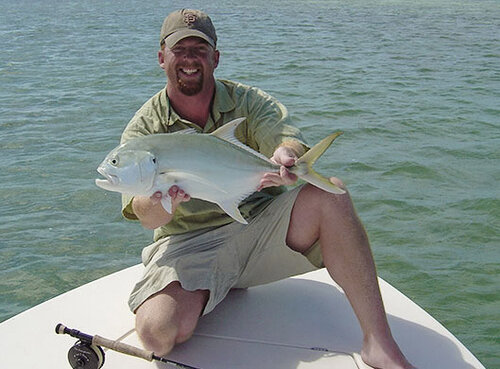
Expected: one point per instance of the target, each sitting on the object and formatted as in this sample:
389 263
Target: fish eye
153 160
114 161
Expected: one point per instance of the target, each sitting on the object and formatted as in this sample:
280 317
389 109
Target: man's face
189 65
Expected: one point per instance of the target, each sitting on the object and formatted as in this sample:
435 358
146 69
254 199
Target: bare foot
384 355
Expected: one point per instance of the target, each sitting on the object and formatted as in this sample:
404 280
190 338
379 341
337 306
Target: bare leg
169 317
348 258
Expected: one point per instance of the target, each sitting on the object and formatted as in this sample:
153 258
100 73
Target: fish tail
303 167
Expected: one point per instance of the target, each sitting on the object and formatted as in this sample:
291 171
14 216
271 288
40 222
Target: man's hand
177 196
150 211
285 157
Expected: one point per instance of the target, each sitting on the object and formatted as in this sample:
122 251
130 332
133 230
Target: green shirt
266 127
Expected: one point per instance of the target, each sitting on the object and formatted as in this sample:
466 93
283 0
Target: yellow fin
303 166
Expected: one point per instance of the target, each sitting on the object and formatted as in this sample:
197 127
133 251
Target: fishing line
320 350
271 343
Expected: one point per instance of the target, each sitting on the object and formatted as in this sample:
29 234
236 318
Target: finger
179 195
156 197
269 180
172 191
265 184
337 182
182 195
272 178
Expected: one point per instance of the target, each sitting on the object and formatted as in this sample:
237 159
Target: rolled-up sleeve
270 123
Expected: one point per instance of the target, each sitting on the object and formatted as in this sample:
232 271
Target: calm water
415 86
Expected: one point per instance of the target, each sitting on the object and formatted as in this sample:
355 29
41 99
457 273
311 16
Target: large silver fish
214 167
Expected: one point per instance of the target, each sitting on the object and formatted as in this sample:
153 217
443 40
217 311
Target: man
199 252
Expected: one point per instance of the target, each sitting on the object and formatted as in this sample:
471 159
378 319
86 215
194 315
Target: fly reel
85 355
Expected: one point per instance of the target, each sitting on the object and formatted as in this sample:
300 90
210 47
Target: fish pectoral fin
180 178
230 205
231 208
187 131
166 202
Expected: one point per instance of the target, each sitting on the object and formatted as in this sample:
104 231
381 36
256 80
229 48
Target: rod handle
62 329
123 348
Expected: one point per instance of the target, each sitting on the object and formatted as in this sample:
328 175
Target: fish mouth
110 178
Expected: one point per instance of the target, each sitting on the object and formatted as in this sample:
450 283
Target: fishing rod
87 353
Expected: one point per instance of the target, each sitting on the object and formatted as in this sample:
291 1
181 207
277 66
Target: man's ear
161 58
216 58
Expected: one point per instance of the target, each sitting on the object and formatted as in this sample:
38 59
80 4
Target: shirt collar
223 103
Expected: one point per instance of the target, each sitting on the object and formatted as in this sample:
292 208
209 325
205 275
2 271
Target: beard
190 87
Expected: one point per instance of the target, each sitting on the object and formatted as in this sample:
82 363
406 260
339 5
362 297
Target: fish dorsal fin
226 133
187 131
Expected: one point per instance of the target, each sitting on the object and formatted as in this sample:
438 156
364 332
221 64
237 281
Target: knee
327 201
337 182
185 330
155 336
161 336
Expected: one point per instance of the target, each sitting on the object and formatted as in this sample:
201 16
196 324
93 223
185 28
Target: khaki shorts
231 256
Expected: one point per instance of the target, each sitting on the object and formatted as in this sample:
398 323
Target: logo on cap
189 19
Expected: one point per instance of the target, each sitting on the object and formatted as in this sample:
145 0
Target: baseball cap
187 23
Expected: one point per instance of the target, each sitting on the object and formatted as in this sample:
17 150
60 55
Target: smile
189 71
